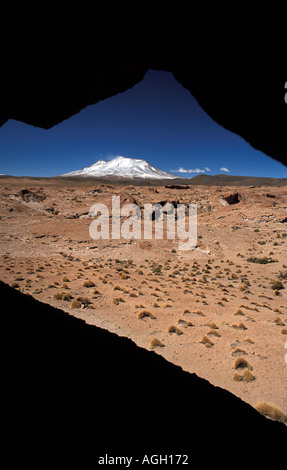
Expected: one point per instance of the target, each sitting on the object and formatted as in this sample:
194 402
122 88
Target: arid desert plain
218 310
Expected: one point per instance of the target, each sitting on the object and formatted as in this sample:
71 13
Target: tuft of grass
237 377
241 326
58 296
199 312
213 332
124 276
174 329
206 341
155 342
264 260
241 363
63 296
65 279
67 296
248 376
89 284
117 300
76 304
248 340
279 322
145 313
238 351
97 292
157 270
271 411
239 312
277 285
84 300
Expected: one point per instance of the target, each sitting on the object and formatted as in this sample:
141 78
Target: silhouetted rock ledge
69 385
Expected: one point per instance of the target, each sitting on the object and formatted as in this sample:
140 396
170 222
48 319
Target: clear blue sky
157 120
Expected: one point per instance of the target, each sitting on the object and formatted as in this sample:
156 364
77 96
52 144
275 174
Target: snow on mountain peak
123 167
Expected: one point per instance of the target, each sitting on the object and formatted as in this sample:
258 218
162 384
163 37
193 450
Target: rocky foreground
218 310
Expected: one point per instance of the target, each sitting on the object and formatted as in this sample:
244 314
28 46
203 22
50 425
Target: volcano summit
124 168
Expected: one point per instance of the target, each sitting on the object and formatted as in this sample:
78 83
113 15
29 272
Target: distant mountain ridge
223 180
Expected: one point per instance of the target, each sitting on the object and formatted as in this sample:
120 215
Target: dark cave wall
68 385
239 82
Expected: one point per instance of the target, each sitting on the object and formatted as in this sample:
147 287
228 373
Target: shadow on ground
69 385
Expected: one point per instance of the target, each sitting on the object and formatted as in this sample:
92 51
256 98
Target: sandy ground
201 309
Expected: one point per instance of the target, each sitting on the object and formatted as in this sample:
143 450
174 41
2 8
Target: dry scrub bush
76 304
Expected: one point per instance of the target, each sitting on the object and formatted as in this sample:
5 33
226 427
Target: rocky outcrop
69 385
230 199
30 196
177 186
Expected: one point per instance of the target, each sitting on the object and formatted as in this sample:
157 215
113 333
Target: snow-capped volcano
123 167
